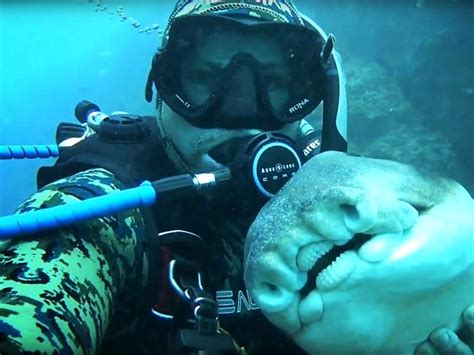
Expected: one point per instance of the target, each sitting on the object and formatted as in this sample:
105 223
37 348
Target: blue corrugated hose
28 151
35 221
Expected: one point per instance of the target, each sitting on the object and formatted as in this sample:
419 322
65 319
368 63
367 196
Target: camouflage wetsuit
58 290
85 289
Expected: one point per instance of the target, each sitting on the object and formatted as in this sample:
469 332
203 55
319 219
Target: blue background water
54 54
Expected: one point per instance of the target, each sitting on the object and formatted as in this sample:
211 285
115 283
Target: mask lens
198 81
197 67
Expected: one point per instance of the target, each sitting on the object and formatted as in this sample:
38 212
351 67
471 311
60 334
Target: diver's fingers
468 317
426 348
446 342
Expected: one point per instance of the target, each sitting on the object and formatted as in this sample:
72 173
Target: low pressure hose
28 151
144 195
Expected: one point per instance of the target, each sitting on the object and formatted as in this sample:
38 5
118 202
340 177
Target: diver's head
229 69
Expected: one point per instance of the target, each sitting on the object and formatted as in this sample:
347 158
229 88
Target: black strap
151 77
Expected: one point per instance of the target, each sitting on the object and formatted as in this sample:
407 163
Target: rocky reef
418 108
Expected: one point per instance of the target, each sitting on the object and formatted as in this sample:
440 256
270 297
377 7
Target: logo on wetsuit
227 304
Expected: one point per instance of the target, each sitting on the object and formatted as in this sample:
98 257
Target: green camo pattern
60 289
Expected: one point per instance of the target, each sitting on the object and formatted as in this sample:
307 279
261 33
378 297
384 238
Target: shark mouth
327 259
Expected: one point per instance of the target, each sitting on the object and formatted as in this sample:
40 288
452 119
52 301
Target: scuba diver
230 77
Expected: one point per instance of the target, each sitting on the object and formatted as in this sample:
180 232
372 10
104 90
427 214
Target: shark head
359 255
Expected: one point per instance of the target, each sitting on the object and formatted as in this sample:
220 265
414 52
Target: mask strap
327 50
149 86
151 77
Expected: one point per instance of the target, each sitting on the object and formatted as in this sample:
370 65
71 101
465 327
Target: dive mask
302 83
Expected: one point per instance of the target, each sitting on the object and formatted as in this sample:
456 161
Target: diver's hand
444 341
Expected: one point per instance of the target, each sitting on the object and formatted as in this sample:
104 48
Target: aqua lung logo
229 304
278 169
299 106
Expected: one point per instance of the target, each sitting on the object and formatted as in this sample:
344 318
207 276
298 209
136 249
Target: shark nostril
359 216
272 298
271 287
350 211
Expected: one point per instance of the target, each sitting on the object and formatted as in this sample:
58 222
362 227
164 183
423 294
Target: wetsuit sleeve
59 290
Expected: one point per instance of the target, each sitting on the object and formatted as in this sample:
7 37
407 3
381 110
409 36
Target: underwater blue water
55 53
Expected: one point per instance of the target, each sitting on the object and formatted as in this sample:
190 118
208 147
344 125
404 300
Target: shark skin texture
357 255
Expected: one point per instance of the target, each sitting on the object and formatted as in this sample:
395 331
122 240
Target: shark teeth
309 254
339 270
